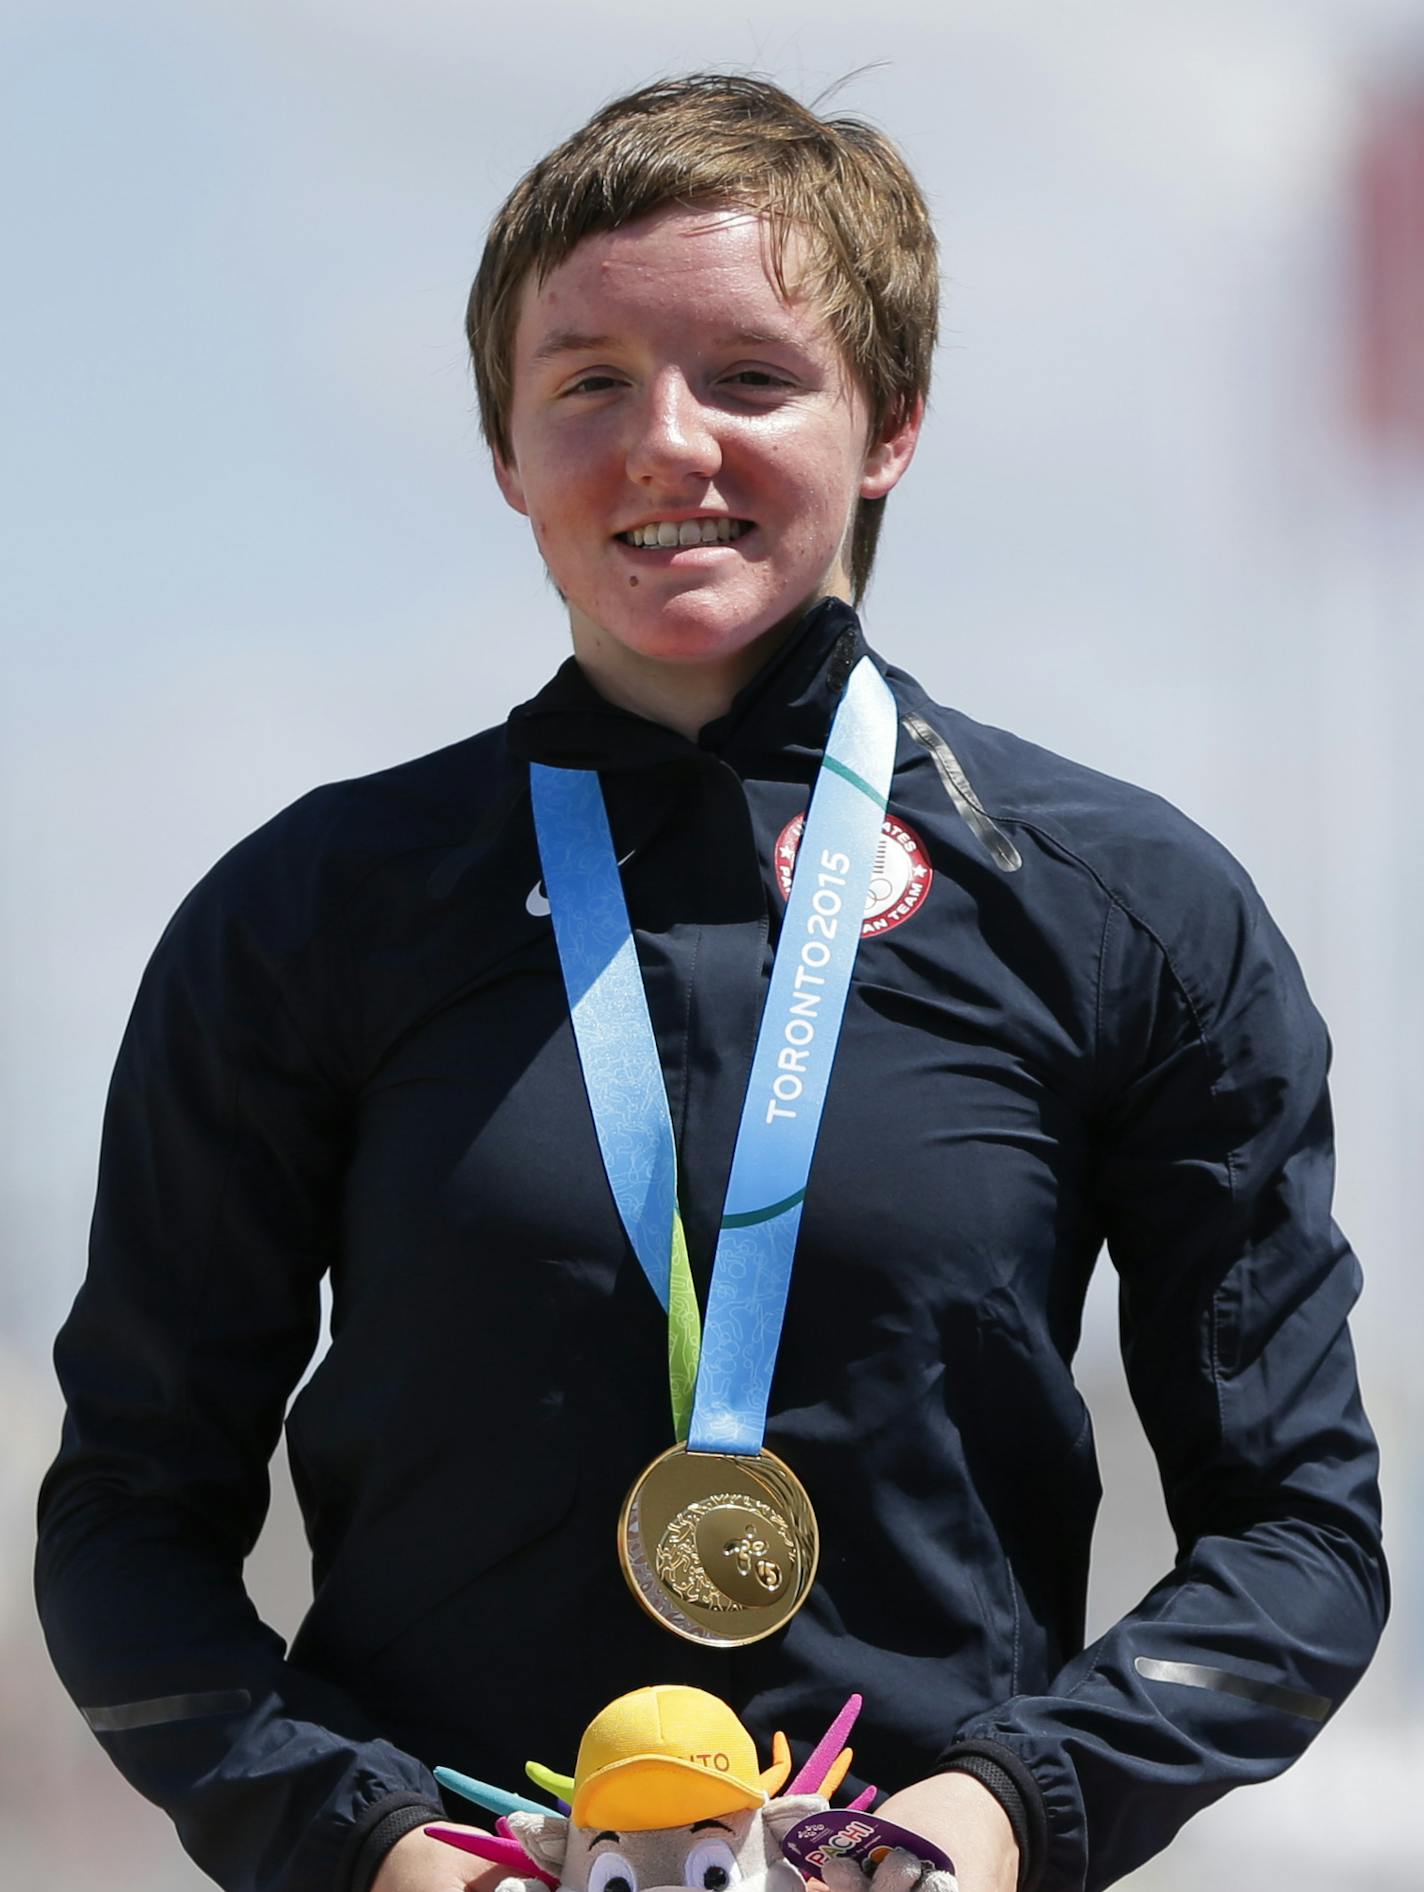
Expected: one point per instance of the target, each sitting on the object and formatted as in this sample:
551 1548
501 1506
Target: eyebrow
702 1826
568 341
759 338
601 1836
573 341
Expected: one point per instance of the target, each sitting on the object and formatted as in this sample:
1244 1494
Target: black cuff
1017 1792
388 1819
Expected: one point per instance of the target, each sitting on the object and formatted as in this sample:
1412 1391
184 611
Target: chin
691 630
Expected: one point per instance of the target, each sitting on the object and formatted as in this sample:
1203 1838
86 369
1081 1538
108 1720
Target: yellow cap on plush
664 1756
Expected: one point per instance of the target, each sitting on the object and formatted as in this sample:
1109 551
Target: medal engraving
721 1549
726 1550
740 1546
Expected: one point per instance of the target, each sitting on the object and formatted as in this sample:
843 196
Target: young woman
377 1042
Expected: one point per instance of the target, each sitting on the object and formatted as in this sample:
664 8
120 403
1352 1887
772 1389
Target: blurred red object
1389 272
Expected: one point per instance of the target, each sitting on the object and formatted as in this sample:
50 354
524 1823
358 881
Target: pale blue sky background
249 541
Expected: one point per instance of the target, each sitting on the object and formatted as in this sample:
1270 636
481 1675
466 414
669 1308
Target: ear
506 476
781 1815
888 456
544 1836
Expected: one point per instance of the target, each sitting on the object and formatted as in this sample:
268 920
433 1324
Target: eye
610 1872
594 383
712 1866
758 378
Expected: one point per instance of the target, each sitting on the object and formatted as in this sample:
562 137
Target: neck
685 697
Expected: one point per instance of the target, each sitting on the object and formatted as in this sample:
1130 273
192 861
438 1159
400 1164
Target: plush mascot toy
667 1796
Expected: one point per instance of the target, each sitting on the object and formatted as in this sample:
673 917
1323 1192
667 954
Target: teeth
667 533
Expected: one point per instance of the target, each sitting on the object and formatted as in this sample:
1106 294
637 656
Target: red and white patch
899 881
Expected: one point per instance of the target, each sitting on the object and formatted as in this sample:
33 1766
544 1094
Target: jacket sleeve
217 1208
1214 1185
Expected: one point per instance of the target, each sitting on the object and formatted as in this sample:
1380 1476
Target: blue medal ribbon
791 1066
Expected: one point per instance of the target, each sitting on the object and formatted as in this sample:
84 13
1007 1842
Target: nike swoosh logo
537 901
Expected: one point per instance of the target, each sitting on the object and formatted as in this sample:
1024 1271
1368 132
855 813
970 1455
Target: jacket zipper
957 786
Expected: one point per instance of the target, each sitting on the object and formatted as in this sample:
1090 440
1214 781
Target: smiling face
689 448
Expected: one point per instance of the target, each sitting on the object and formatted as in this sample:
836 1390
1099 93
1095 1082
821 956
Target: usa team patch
899 880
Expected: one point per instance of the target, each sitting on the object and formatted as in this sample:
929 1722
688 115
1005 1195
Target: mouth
672 535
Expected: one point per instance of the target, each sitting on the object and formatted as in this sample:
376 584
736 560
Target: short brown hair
721 138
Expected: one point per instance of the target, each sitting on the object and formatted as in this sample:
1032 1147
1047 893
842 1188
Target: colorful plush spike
501 1851
825 1759
492 1799
561 1786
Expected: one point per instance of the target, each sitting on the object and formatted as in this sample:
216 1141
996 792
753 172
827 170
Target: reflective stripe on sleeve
128 1715
1291 1701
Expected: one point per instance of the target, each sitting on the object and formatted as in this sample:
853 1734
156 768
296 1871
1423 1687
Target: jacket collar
784 711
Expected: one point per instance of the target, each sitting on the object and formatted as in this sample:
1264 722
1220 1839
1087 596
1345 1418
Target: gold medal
721 1549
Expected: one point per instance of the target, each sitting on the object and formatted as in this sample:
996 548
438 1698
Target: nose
673 438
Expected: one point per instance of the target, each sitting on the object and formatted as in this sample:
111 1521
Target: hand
966 1821
417 1863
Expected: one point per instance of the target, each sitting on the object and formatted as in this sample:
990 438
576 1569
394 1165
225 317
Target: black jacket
1072 1022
